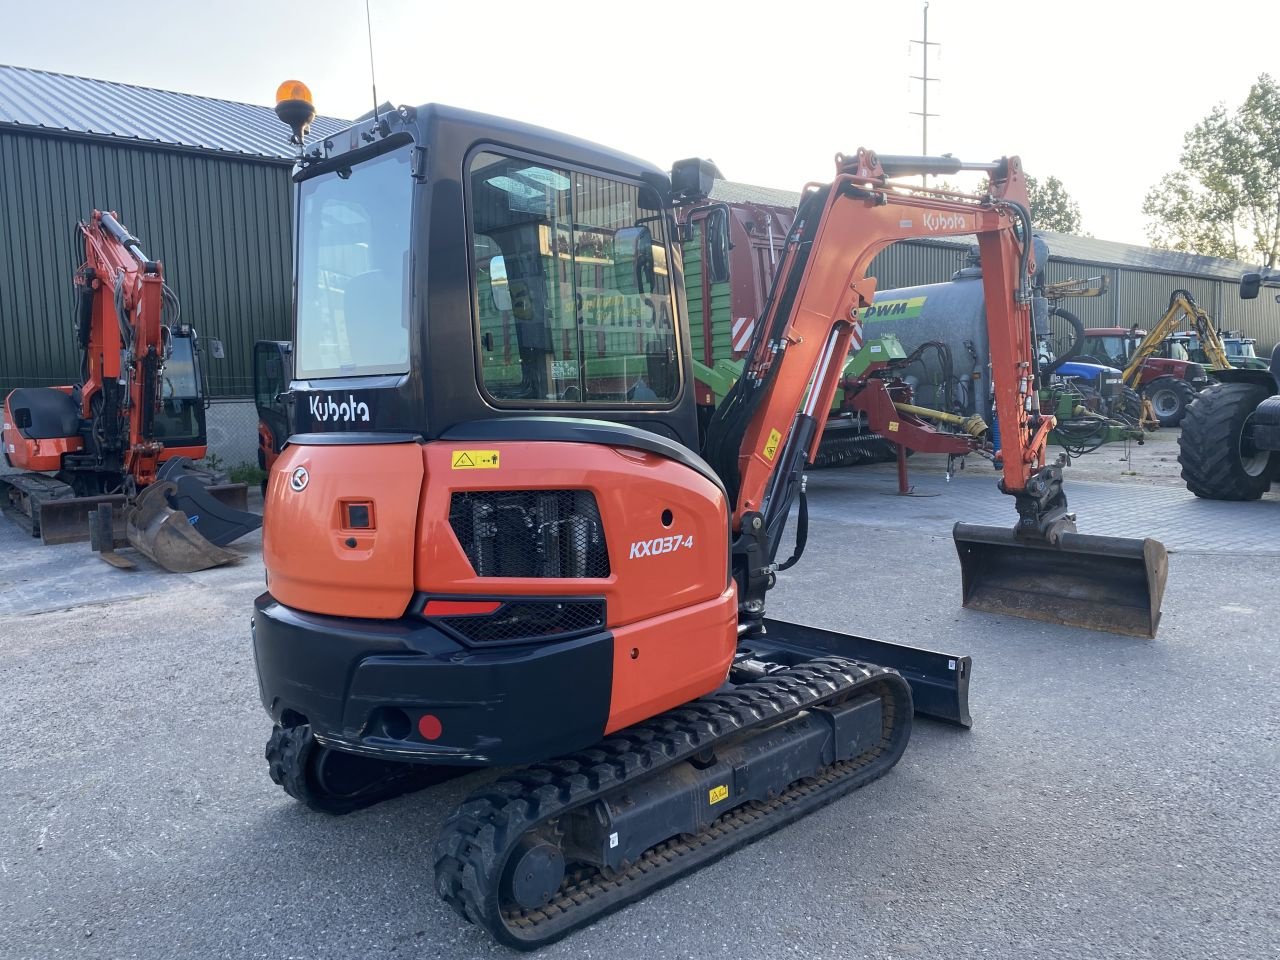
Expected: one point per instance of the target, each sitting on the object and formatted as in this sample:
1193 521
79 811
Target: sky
1098 94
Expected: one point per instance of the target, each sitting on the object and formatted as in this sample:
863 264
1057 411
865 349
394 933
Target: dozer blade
167 535
1114 584
939 681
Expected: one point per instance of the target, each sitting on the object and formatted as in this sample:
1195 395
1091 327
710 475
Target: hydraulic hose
1077 340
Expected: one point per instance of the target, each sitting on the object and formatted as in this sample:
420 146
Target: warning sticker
893 427
771 445
475 459
716 794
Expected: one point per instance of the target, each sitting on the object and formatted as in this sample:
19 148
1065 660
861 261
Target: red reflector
430 727
455 608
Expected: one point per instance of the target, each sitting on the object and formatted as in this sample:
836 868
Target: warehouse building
205 184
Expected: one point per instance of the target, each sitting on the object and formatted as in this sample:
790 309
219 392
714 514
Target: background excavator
530 563
112 458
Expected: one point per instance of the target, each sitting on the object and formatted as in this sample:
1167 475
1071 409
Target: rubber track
1208 448
291 752
478 839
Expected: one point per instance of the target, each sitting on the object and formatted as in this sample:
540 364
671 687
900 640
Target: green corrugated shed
204 183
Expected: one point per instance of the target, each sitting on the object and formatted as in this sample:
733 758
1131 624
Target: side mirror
215 347
716 226
634 245
498 289
1250 284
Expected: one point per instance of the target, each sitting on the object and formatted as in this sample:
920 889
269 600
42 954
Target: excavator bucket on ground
168 536
1114 584
219 518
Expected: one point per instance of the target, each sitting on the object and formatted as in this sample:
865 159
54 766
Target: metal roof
725 191
1062 246
82 106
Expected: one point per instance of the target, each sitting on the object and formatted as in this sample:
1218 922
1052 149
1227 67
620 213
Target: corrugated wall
1258 318
908 264
220 225
1144 297
1134 296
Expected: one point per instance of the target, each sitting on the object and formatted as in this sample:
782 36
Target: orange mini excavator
117 449
494 541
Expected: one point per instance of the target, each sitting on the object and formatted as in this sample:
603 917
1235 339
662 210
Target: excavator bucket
219 512
1113 584
168 536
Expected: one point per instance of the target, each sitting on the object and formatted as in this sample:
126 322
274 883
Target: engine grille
531 533
521 621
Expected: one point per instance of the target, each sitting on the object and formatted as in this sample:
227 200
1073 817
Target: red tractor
1170 383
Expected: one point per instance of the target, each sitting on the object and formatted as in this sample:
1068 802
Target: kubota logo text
948 221
659 546
349 410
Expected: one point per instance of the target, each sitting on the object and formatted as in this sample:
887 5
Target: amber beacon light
294 107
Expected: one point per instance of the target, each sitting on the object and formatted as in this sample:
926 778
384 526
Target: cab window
570 286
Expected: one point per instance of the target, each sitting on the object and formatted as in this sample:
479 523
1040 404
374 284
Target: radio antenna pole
368 22
923 113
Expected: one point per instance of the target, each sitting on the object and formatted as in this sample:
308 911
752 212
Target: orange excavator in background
493 539
112 458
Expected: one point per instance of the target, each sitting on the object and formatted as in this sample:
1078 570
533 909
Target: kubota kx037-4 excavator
117 449
493 541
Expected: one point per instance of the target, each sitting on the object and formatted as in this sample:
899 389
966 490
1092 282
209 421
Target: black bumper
363 686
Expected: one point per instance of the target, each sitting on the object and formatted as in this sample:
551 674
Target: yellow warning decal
716 794
893 428
475 459
771 450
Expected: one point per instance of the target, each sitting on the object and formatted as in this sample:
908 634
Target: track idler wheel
336 782
535 872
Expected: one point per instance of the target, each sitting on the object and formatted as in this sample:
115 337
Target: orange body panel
313 561
671 659
191 453
44 455
632 489
671 605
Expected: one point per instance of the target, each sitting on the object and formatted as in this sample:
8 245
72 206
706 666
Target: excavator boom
759 442
1181 305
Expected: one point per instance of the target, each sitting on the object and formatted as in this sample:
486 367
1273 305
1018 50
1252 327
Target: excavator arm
771 423
1181 304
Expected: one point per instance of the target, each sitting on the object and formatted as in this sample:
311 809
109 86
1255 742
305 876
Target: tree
1224 201
1052 207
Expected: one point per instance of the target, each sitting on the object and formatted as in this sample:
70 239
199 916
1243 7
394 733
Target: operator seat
44 413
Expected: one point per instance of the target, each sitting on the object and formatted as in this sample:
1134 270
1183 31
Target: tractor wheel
1216 451
1170 399
1127 406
